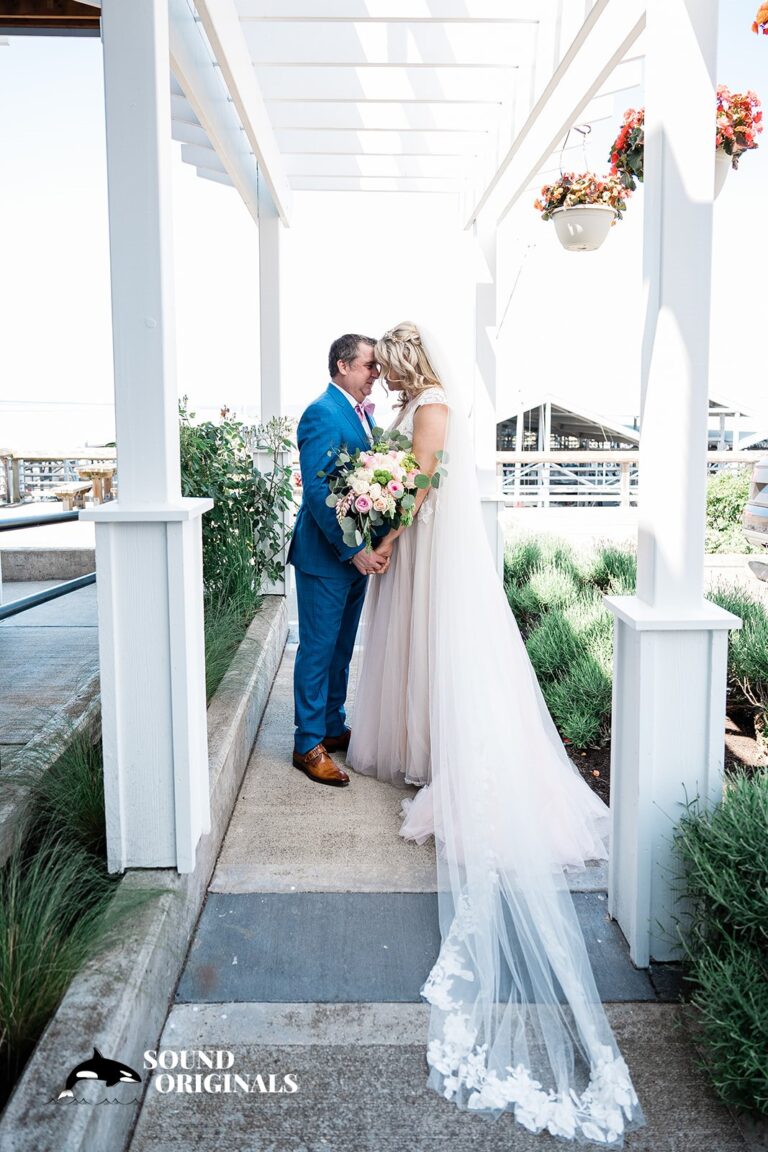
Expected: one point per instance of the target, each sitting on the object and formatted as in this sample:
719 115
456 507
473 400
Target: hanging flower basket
738 122
723 165
583 207
583 228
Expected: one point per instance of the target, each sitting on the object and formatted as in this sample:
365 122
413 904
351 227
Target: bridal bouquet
376 487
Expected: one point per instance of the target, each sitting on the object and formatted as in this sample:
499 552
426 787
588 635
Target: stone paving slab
361 1076
288 834
357 947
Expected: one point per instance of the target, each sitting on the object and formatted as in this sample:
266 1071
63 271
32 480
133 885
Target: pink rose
395 488
363 504
410 479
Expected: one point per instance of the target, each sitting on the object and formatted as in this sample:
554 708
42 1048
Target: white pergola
472 99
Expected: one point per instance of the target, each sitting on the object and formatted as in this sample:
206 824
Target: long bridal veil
516 1021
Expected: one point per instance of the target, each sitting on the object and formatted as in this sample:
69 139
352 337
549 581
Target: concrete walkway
319 927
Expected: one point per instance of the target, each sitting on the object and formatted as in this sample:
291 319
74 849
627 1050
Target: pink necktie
361 409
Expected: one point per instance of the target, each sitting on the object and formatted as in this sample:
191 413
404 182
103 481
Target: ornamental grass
57 901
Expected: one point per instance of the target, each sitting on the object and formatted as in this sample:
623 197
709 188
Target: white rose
375 491
380 504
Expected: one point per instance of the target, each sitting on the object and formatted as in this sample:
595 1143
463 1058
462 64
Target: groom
330 577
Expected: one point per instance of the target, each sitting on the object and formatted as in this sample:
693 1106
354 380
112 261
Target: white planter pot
722 168
583 228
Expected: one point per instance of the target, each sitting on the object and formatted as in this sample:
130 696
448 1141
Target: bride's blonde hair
402 357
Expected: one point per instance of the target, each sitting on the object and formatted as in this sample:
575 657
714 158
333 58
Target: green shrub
747 647
520 558
580 701
556 596
613 570
727 493
241 533
553 645
724 935
553 585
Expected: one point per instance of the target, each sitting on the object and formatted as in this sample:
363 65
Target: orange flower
761 20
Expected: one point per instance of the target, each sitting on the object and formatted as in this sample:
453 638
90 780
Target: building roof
579 417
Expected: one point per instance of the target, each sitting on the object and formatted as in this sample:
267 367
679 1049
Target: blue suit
330 590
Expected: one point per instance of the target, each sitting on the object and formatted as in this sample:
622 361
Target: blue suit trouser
329 613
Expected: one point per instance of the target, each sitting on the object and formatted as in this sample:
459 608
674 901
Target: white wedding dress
447 698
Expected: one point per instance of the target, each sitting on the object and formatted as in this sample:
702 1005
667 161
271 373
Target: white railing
31 475
590 479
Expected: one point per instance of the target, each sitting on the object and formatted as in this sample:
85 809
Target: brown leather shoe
318 765
337 743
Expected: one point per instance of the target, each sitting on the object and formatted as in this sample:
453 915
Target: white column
148 542
270 306
484 410
670 643
271 347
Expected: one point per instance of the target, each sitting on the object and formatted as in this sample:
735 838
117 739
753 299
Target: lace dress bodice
404 421
404 425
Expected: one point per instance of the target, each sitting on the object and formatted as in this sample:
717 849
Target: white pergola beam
186 133
363 43
387 83
602 42
181 109
375 184
204 157
390 11
205 93
217 177
222 26
351 141
384 115
385 165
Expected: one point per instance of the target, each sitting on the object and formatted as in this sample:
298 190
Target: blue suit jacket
317 544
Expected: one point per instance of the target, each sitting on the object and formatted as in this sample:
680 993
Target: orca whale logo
98 1067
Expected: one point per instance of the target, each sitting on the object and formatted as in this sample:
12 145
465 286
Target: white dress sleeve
430 396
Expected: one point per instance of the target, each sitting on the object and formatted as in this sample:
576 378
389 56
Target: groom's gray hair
345 348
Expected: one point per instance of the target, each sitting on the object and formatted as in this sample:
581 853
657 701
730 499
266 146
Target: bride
447 700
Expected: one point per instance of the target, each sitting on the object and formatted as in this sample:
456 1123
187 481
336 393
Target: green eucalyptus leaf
422 481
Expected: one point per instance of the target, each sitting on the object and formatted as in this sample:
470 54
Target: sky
352 262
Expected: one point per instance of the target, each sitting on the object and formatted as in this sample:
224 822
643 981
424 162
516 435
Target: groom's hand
369 563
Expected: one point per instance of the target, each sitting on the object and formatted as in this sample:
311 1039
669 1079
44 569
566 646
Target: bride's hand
385 549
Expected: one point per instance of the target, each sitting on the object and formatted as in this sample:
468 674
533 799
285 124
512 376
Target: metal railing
587 479
67 586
